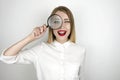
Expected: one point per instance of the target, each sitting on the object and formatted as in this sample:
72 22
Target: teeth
61 32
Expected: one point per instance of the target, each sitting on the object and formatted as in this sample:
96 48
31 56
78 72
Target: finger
41 29
37 31
44 27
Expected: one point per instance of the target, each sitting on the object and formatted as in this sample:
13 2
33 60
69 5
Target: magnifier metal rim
50 17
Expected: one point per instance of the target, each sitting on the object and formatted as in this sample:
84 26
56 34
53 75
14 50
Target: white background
97 27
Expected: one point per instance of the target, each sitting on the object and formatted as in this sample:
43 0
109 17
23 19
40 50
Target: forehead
62 14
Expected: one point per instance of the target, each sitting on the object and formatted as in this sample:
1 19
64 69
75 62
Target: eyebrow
66 19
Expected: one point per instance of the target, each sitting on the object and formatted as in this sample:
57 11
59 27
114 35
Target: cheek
68 27
55 32
68 32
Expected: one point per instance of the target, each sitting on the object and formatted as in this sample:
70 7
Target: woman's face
63 33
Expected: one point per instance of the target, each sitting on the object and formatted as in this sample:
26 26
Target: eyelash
66 21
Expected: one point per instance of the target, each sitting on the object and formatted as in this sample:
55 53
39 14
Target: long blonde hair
71 37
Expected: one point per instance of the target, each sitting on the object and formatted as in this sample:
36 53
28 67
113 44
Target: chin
62 38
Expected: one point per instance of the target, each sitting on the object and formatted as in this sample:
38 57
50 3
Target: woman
60 58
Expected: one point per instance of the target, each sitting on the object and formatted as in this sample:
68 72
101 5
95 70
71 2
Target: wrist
29 39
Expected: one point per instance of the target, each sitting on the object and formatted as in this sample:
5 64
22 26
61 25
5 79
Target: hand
37 32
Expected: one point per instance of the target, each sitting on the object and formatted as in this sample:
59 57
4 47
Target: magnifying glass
54 21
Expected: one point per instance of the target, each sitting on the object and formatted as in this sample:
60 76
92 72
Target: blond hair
71 37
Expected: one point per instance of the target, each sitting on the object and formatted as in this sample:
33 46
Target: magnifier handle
47 26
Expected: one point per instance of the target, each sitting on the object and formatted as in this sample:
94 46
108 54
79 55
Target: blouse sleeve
82 67
23 57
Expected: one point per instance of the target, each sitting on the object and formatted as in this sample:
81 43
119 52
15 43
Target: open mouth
62 32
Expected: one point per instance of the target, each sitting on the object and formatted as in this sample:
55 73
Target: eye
56 22
66 21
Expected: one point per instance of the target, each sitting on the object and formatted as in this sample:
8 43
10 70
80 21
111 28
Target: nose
63 25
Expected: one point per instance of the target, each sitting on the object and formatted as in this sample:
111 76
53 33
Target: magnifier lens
54 21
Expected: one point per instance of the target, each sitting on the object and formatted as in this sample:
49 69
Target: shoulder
78 47
77 50
81 50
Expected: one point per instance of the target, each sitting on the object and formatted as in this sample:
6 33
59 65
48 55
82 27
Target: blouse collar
57 44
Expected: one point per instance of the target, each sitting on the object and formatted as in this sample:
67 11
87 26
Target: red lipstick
62 32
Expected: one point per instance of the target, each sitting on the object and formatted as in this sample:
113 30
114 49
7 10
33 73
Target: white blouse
53 61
